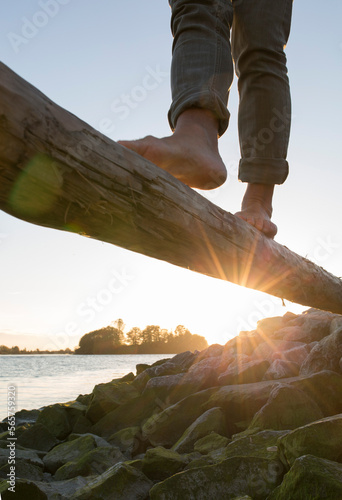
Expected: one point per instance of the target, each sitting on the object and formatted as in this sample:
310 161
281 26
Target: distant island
112 339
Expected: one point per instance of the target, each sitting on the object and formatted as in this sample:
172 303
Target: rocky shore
259 418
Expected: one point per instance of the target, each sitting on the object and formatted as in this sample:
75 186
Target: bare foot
190 154
256 208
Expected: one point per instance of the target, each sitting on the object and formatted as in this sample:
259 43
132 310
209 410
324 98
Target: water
43 379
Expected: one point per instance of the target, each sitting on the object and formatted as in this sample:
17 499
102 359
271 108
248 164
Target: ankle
259 194
200 123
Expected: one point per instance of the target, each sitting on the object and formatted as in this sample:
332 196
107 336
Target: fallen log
59 172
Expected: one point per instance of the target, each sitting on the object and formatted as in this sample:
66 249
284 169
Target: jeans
202 72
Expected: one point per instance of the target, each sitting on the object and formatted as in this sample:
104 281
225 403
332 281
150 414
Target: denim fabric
202 73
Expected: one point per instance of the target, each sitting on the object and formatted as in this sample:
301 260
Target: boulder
336 323
322 438
266 350
23 470
38 437
28 456
39 490
211 442
108 397
121 482
68 451
166 427
310 478
209 421
325 355
281 369
252 371
26 417
234 477
95 462
173 388
129 414
286 408
126 439
325 388
314 327
160 463
295 355
55 419
82 425
262 444
267 326
140 367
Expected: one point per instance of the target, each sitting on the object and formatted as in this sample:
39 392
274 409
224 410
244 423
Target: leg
260 32
201 74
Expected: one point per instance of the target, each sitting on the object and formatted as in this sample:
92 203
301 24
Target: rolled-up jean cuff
263 170
204 100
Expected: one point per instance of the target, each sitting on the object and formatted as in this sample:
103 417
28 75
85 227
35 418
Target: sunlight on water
41 380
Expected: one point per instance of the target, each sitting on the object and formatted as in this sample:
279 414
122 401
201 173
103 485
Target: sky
94 59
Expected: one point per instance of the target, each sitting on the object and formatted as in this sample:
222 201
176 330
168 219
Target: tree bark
58 172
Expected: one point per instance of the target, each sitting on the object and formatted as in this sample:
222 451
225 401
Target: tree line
152 339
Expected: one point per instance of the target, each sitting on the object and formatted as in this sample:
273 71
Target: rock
28 456
39 490
325 388
239 403
262 445
314 328
311 478
129 414
182 360
84 399
234 477
23 470
325 355
295 355
252 371
37 437
286 408
55 419
26 417
160 463
281 369
108 397
120 482
212 441
173 388
166 427
127 378
322 438
267 326
94 462
67 452
211 420
126 439
336 323
99 442
245 344
266 350
140 367
82 425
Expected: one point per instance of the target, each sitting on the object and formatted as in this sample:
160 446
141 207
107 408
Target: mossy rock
311 478
120 482
322 439
108 397
286 408
126 439
211 442
212 420
261 444
160 463
68 451
55 419
37 437
95 462
23 470
231 478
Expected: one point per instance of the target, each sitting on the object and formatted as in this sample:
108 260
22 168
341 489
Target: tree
151 334
134 336
181 330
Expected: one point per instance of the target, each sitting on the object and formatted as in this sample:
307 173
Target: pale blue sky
108 62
